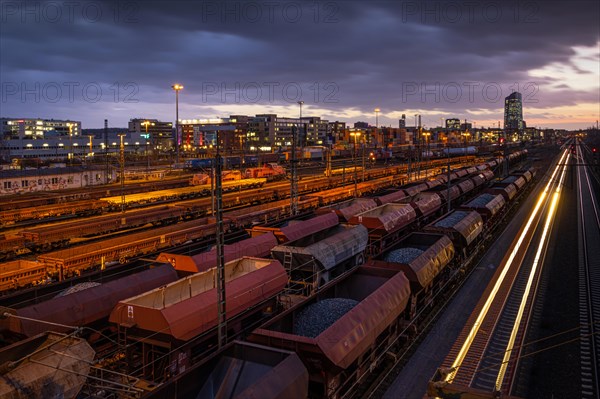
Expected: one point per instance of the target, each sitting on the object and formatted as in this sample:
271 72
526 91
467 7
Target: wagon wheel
123 260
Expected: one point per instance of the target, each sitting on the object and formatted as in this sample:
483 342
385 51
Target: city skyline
436 59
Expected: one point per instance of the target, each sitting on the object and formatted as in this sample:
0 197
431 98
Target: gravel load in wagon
452 219
481 201
77 288
319 316
403 255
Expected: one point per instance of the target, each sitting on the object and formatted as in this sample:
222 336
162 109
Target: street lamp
426 135
146 124
177 87
355 135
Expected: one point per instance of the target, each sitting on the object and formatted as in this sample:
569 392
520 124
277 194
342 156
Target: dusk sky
91 60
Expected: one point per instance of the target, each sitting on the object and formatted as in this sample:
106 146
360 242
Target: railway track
486 353
398 354
589 280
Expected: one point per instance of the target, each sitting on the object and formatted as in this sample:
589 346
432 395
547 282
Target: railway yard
386 283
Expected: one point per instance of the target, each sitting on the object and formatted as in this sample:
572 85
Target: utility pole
107 172
294 173
448 183
221 298
122 162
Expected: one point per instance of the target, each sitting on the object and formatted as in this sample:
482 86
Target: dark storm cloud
444 56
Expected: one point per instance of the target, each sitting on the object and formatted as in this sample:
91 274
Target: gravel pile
319 316
482 200
77 288
452 219
403 255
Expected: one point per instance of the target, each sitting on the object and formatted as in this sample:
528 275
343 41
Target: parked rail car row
70 262
13 202
341 329
40 206
360 329
52 237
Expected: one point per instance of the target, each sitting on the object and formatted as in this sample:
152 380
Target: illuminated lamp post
177 87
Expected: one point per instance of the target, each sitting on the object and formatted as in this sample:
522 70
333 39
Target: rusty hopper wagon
346 209
47 365
443 192
242 371
255 247
336 331
423 257
427 204
167 317
314 260
299 229
385 224
390 196
86 307
487 205
507 190
463 228
413 189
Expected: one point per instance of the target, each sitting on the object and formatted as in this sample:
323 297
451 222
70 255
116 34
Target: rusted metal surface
345 210
188 307
386 218
461 172
338 245
254 371
478 180
507 190
69 261
258 247
488 175
462 232
438 181
488 210
20 273
466 185
413 189
438 251
394 195
48 365
517 180
101 224
297 230
88 306
382 295
443 192
427 203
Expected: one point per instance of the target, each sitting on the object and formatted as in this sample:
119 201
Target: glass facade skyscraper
513 113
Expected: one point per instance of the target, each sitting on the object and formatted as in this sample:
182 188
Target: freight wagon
73 261
72 209
314 260
240 370
336 332
87 307
48 237
164 323
21 273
